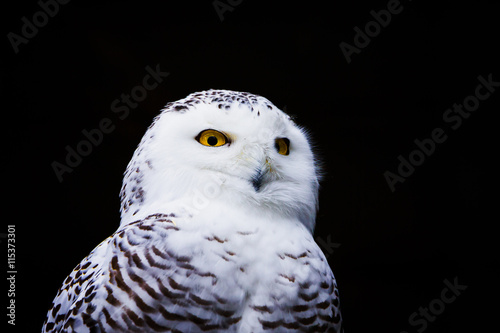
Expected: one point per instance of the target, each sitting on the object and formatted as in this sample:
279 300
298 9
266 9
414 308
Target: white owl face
229 146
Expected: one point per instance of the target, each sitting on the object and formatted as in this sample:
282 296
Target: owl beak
259 176
257 180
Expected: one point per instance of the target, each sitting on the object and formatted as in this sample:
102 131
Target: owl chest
244 258
220 275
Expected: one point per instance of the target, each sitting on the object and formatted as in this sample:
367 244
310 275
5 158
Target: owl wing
77 289
135 282
132 282
304 297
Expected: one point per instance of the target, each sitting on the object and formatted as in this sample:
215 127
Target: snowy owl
218 207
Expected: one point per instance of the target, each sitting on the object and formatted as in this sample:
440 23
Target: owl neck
182 194
151 187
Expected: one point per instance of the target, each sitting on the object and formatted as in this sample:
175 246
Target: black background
395 248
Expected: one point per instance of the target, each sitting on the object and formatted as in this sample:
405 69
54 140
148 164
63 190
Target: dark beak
257 179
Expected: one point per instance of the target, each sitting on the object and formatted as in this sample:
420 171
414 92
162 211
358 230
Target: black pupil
212 140
277 145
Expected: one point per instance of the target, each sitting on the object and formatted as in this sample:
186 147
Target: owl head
221 147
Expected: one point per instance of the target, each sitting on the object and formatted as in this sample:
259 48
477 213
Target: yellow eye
211 138
282 146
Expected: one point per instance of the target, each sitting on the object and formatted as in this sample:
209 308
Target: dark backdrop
390 250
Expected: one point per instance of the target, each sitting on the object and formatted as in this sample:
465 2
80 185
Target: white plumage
218 208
